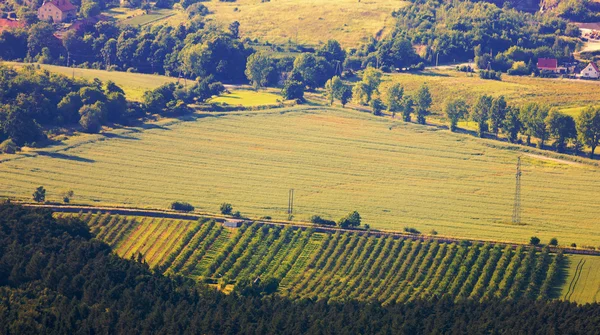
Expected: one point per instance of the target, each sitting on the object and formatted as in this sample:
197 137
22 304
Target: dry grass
582 283
308 21
395 175
247 98
560 93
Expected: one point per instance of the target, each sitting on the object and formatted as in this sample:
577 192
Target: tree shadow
561 280
120 136
65 156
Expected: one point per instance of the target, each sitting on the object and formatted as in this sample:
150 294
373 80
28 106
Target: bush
8 147
319 220
553 241
226 208
490 74
534 240
412 230
182 206
351 220
573 245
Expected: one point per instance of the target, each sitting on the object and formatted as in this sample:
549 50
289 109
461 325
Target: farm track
575 279
219 218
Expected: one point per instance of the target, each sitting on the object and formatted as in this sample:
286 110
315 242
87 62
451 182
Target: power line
516 218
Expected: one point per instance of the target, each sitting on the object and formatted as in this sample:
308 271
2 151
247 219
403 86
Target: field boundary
153 213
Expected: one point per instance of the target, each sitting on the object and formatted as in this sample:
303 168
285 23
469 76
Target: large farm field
334 266
395 174
582 283
566 94
309 21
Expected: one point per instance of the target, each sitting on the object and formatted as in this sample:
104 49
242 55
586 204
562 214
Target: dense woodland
56 278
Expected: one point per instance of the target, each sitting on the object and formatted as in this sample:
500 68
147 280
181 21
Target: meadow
565 94
308 21
582 283
134 84
138 17
247 98
331 266
395 174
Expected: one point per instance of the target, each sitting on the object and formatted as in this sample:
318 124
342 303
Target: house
57 11
7 24
550 65
590 71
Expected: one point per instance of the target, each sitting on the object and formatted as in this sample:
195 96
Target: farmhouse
550 65
590 72
57 11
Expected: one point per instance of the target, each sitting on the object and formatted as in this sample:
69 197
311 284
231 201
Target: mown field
134 84
138 17
395 174
307 21
565 94
247 98
332 266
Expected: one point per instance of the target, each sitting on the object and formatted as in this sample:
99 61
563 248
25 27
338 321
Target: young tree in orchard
377 106
497 114
258 68
407 108
423 101
481 113
562 128
394 97
588 128
512 124
455 110
334 87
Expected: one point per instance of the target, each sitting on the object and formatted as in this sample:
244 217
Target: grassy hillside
561 93
134 84
331 266
307 21
396 175
138 17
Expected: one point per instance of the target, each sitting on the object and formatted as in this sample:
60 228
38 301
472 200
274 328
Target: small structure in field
57 11
233 223
591 71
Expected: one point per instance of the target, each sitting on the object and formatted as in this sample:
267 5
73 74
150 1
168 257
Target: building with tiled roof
57 11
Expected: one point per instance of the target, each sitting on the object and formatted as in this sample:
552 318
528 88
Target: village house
550 65
590 71
57 11
7 24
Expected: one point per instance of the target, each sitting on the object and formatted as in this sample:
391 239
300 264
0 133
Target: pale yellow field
308 21
396 175
582 280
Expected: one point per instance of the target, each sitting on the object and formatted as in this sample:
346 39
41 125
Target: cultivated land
247 98
308 21
331 266
561 93
396 175
134 84
138 17
582 282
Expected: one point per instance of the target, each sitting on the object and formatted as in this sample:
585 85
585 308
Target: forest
55 277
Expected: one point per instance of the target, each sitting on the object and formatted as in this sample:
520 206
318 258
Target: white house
591 71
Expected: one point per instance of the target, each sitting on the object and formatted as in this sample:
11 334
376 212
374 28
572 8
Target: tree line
533 120
55 277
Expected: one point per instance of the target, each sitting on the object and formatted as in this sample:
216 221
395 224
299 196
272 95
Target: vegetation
56 267
274 149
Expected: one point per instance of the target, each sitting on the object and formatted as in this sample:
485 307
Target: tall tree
258 69
334 87
497 114
407 108
481 113
423 101
588 127
512 124
393 99
562 128
533 118
455 110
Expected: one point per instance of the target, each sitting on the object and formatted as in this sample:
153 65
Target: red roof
10 24
63 5
547 63
595 67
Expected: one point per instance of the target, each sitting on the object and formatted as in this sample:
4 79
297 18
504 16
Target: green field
138 17
308 21
247 98
134 84
565 94
331 266
582 282
395 174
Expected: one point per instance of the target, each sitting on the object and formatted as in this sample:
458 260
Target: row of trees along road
531 121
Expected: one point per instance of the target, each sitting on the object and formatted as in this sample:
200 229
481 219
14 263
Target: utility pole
290 201
437 58
516 218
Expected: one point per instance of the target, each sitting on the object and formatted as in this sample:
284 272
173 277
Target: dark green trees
352 220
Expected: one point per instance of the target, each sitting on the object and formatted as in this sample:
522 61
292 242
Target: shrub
553 241
319 220
490 74
534 240
411 230
573 245
351 220
8 147
226 208
182 206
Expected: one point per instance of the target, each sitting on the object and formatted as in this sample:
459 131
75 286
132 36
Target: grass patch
308 21
247 98
138 17
134 84
395 175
